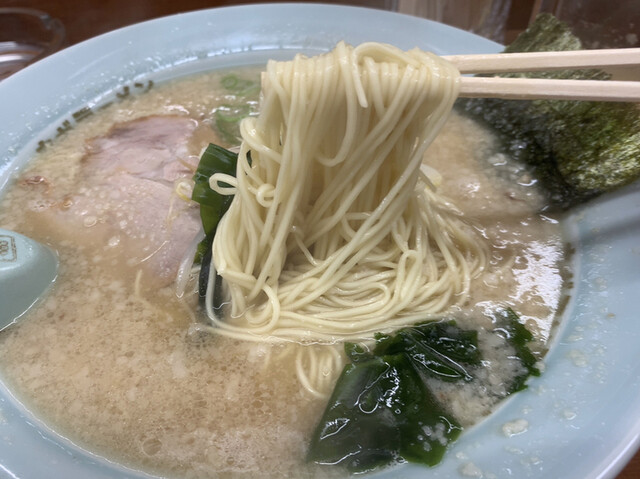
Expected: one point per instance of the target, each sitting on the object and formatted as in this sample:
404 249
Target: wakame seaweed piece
382 409
517 335
380 412
438 349
577 149
213 206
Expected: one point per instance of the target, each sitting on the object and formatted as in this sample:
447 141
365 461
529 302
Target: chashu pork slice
127 210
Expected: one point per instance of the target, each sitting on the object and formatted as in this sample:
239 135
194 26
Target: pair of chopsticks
533 88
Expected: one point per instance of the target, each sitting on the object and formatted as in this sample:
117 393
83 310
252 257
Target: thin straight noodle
334 233
373 141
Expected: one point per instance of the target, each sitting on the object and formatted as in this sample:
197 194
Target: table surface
87 18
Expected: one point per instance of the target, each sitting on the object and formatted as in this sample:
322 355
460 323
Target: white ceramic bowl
583 414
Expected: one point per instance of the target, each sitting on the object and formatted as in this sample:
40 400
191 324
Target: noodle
334 232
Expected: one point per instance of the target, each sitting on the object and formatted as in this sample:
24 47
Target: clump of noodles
335 232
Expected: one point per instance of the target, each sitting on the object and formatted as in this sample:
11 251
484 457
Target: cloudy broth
122 368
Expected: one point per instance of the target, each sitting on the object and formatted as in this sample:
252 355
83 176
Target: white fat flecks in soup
114 360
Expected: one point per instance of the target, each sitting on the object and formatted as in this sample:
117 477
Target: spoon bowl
27 270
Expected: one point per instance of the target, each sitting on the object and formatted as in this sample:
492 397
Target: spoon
27 269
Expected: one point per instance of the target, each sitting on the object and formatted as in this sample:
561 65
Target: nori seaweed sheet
578 149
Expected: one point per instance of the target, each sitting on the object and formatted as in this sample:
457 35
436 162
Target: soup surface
113 359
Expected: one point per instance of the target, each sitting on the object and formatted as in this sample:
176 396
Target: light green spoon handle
27 269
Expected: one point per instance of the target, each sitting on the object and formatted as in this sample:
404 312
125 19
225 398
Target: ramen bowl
579 419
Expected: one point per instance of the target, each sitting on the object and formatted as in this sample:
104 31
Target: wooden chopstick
533 88
540 89
537 61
